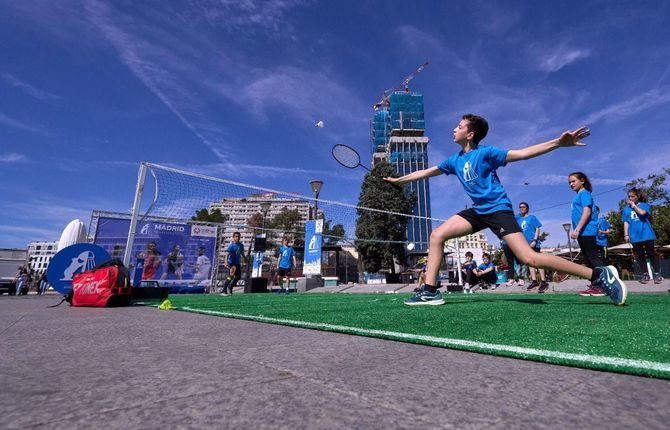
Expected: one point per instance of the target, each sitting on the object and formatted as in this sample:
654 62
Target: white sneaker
510 283
521 283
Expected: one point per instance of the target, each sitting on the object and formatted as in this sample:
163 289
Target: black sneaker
544 285
532 285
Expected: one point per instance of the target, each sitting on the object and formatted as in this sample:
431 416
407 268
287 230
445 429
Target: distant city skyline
91 88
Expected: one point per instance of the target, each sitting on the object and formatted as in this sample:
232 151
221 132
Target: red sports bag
108 284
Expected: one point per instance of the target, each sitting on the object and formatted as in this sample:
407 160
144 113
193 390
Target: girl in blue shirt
585 225
637 230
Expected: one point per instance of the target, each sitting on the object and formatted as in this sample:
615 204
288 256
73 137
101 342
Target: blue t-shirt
601 238
477 172
584 199
470 265
235 252
639 227
485 266
528 225
286 254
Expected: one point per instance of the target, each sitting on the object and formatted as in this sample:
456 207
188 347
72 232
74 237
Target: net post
141 177
458 262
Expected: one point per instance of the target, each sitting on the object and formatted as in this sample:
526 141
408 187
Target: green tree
207 216
332 235
287 220
255 220
372 228
655 188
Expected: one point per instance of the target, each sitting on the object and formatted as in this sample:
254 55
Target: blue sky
233 89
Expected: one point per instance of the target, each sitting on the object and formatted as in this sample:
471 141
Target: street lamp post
316 189
265 207
567 226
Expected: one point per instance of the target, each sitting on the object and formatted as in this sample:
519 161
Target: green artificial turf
570 330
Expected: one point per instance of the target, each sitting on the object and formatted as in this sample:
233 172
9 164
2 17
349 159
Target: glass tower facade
398 130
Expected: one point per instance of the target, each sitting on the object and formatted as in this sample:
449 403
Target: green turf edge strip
639 367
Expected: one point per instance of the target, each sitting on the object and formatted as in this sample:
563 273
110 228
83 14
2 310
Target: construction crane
384 102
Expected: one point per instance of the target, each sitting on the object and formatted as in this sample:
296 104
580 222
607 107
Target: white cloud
552 58
11 122
12 157
304 94
31 233
246 16
422 43
31 90
652 98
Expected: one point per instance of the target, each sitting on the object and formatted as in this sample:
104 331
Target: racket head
346 156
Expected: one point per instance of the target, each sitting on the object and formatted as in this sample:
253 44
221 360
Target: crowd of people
25 280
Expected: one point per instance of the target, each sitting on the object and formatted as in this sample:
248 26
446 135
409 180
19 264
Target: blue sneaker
425 297
613 286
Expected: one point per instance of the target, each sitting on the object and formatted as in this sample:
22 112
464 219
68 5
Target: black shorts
283 272
501 223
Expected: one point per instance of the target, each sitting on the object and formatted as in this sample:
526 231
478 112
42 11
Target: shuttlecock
410 246
319 124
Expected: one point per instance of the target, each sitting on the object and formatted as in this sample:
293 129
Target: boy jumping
475 167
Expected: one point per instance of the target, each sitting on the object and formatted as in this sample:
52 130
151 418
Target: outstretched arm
568 138
415 176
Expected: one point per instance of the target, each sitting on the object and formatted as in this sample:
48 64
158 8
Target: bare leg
528 256
455 226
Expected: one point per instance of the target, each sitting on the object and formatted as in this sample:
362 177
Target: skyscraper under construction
398 137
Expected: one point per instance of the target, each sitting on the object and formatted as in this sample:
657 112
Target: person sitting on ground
485 274
469 267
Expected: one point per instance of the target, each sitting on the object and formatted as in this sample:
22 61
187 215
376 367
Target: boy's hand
393 181
572 138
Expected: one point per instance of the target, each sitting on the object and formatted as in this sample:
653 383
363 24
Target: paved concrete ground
138 367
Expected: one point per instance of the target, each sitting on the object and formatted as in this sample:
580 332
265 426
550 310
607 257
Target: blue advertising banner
313 243
161 251
72 260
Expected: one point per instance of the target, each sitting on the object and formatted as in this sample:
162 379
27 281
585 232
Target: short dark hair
487 255
524 203
237 233
478 125
582 177
469 254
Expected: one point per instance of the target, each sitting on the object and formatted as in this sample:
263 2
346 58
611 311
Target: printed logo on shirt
469 173
633 216
524 225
